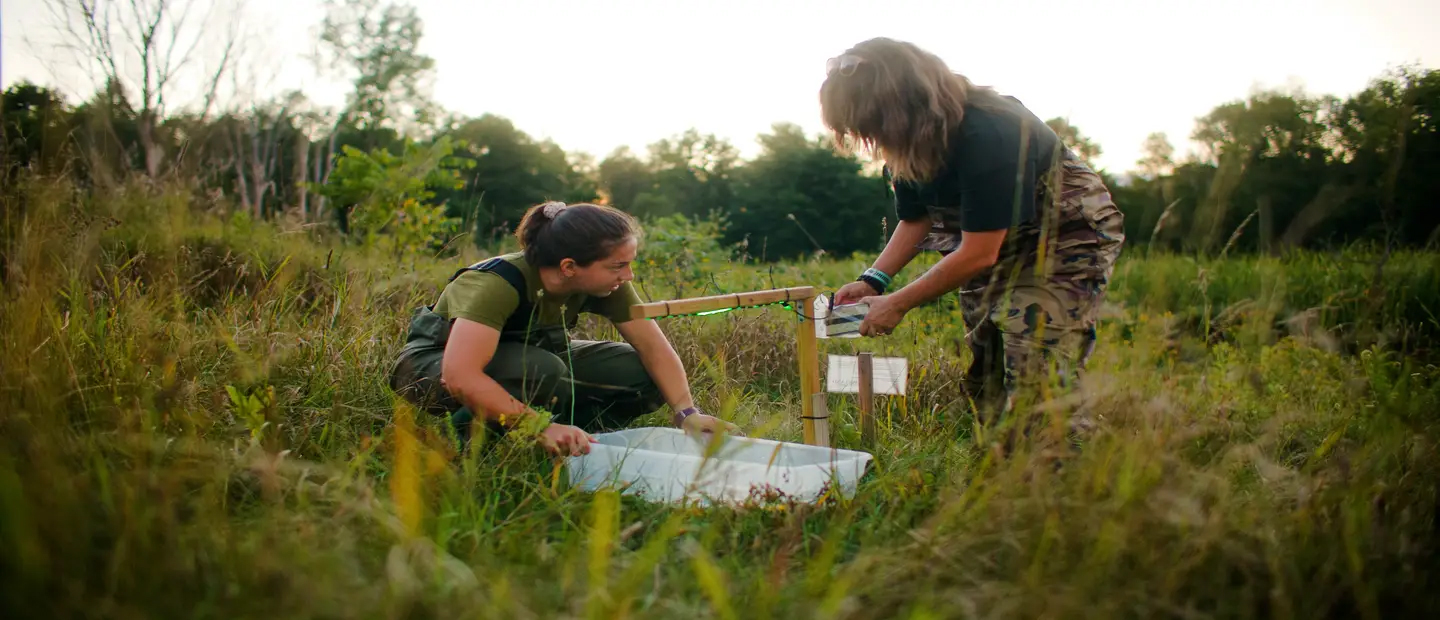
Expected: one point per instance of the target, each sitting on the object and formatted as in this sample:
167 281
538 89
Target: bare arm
462 371
977 251
665 367
900 250
660 360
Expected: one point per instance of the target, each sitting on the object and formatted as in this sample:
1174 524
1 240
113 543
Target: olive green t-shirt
486 298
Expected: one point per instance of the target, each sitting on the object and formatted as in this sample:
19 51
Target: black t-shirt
983 180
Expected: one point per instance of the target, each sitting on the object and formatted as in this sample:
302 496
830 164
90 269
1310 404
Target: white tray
664 464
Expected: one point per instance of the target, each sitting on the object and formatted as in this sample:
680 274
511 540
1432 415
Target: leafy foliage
800 197
1305 171
376 44
681 254
510 172
1277 170
389 194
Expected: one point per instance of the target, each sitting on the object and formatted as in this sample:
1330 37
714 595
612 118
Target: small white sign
843 375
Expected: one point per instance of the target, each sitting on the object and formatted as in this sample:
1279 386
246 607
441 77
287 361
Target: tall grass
1345 300
195 423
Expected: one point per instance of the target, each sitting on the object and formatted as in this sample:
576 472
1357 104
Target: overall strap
502 268
520 318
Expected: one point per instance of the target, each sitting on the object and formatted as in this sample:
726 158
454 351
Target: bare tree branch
142 47
170 66
232 39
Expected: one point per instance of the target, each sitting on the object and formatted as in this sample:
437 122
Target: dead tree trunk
302 193
257 169
242 187
150 146
316 180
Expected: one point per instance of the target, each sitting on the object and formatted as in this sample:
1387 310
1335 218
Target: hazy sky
596 75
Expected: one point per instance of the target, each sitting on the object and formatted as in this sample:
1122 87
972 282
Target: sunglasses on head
845 64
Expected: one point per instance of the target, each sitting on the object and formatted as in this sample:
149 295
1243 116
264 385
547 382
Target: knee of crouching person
548 365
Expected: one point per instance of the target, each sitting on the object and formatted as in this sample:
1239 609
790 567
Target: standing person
496 341
1029 233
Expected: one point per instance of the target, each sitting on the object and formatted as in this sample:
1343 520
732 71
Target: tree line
1275 170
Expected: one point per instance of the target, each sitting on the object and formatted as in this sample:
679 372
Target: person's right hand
560 439
853 292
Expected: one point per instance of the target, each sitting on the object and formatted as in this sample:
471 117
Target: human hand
700 423
559 439
853 292
885 313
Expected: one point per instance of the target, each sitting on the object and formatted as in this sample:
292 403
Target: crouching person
495 345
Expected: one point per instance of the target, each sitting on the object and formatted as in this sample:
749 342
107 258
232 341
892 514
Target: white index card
819 311
843 375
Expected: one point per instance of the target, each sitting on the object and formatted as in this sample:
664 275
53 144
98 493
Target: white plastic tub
666 465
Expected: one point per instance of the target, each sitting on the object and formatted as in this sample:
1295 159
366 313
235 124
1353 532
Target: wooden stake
867 398
809 359
821 422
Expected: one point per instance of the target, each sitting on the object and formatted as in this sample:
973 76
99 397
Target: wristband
883 277
877 280
679 418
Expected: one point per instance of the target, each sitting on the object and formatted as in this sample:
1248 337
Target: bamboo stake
809 359
675 307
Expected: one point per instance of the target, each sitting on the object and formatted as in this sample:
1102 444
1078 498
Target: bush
681 256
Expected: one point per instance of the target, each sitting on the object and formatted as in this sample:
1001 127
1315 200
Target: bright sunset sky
596 75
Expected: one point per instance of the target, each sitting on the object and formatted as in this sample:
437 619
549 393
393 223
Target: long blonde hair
898 102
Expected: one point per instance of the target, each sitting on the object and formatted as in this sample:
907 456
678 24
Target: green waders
595 385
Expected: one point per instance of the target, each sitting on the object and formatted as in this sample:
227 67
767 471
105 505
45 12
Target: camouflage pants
1031 335
1031 319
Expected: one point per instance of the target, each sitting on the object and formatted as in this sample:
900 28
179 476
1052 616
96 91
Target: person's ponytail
553 231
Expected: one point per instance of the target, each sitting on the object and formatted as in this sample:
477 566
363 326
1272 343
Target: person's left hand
885 313
700 423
